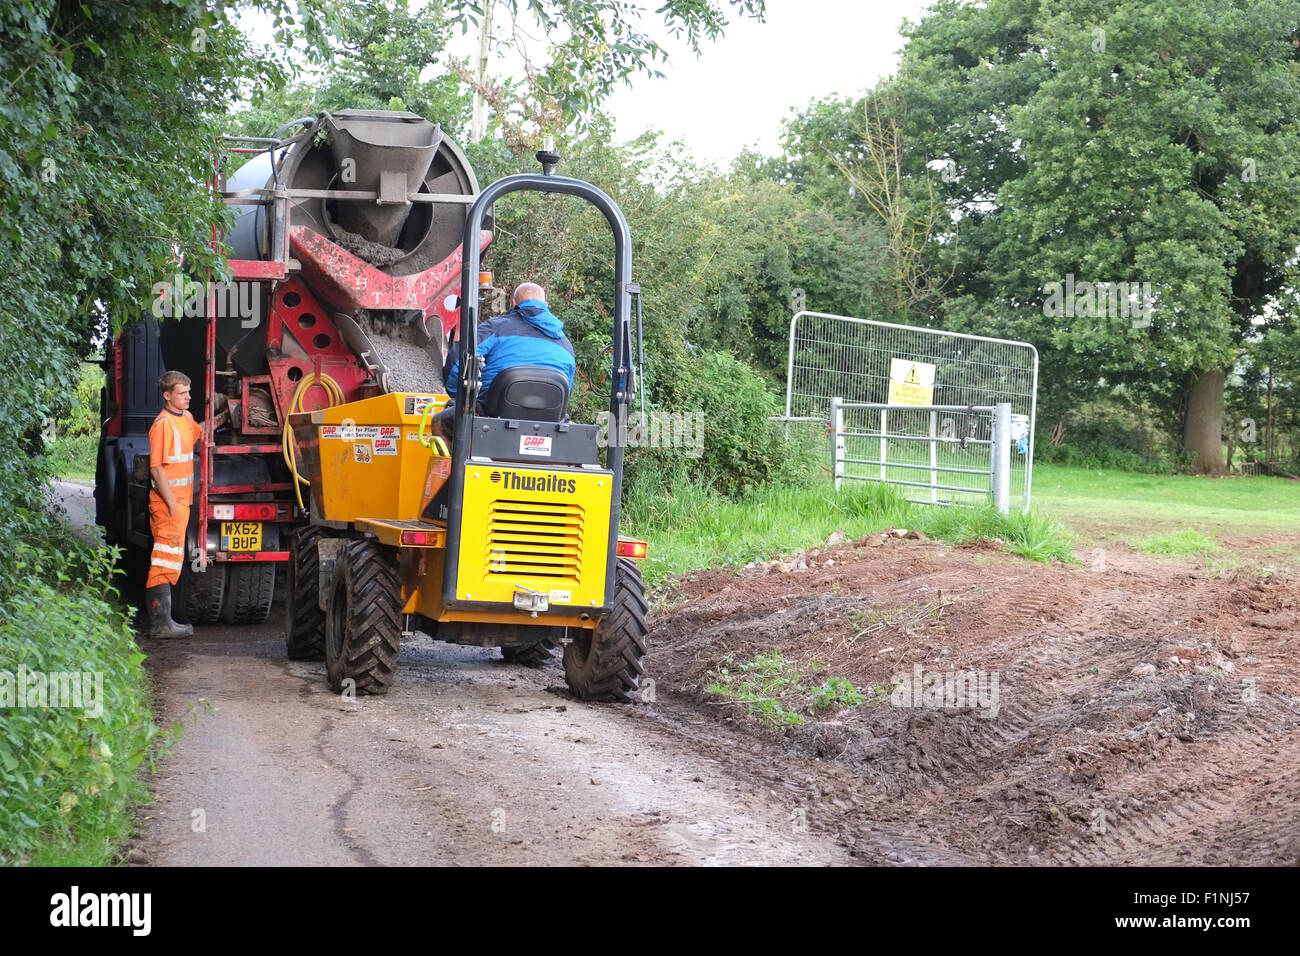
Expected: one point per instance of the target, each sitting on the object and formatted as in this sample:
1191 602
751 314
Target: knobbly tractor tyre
363 626
199 595
304 621
534 655
606 664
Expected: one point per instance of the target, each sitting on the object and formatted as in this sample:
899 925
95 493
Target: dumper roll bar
621 377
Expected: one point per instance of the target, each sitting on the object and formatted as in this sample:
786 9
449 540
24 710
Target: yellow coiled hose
335 396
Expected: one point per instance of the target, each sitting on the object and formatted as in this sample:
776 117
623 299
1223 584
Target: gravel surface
467 761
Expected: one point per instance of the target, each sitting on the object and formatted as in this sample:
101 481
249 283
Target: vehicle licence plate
241 536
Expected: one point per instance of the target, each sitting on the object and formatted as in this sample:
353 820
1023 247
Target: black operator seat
529 392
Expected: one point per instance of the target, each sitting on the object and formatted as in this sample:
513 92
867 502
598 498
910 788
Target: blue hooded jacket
529 334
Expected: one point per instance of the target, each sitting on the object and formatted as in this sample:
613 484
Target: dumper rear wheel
304 621
605 664
534 655
363 627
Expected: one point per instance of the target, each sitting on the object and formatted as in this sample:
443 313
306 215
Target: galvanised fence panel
839 356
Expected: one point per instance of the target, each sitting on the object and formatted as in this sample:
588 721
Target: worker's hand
173 507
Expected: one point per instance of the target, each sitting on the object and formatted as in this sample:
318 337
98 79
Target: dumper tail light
631 548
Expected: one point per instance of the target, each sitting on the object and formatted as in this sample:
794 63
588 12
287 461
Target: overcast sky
738 91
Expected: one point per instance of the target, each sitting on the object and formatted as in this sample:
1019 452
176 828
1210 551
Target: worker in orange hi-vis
171 466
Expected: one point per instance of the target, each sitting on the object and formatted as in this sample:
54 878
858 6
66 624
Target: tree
108 118
378 52
868 153
1114 141
1263 410
593 45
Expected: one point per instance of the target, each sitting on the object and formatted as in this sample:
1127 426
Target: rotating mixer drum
385 153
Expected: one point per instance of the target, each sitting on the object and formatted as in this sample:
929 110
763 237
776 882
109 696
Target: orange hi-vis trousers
168 541
171 442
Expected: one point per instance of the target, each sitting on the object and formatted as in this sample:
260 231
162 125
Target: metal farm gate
915 406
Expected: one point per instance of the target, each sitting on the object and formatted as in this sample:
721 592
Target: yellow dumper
505 536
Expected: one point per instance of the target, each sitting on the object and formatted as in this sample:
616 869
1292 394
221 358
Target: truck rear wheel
130 572
605 664
250 589
199 595
304 621
363 627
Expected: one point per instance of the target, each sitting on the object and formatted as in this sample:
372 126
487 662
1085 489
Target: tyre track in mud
1104 750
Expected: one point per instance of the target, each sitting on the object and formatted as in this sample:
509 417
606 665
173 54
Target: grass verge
1114 504
76 732
73 456
690 525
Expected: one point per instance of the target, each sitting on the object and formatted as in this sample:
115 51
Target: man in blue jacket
529 334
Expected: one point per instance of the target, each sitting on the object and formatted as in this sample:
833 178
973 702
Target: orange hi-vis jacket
171 445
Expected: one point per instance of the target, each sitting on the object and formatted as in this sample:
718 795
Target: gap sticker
349 432
535 445
385 446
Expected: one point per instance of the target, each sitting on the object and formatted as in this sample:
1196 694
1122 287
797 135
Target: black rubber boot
158 599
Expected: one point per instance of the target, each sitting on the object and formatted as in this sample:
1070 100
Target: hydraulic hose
334 396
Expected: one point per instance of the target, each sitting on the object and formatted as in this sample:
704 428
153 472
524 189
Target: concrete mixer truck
345 284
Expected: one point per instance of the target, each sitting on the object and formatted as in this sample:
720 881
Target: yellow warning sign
911 383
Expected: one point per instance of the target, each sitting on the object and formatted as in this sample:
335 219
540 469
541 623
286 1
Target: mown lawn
1133 507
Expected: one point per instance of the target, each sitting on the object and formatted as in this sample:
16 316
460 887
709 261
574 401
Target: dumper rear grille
535 539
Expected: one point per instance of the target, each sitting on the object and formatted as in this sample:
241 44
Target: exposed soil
1149 712
1103 749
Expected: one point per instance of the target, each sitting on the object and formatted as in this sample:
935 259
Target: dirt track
470 760
1104 749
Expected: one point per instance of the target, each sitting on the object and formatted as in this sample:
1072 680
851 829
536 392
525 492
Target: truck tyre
130 572
250 589
199 595
304 621
363 627
605 664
